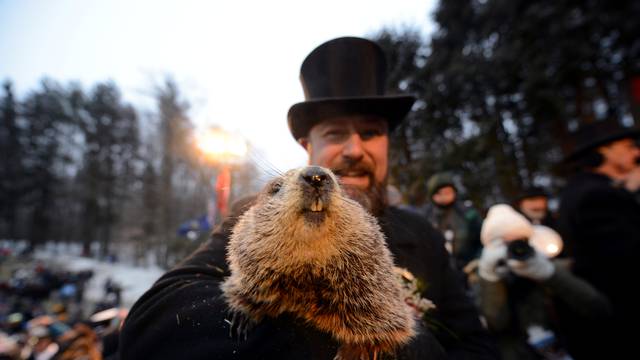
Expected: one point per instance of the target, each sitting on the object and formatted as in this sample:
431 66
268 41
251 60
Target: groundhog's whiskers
262 163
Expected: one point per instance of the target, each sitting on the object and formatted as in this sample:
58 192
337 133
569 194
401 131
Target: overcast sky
236 61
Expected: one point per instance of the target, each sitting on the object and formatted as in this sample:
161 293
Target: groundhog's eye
275 187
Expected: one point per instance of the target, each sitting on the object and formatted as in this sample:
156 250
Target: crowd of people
548 284
520 282
44 315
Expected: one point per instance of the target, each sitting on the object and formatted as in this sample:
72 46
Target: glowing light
220 146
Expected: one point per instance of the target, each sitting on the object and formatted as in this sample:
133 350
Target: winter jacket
600 224
183 315
464 223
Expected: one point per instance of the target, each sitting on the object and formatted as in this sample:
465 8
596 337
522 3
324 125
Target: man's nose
353 147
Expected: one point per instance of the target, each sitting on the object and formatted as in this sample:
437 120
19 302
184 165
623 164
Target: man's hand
537 267
492 264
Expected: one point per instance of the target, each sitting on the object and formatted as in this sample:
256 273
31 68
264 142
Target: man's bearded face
622 155
373 198
355 148
535 208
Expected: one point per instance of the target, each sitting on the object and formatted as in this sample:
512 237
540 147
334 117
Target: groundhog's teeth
316 205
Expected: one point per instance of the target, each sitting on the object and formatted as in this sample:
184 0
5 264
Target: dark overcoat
600 223
184 317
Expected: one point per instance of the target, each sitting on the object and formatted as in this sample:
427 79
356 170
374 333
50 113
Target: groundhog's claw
239 325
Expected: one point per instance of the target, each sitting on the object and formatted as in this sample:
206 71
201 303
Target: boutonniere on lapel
412 289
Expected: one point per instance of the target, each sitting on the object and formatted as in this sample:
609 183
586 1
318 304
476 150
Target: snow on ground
133 280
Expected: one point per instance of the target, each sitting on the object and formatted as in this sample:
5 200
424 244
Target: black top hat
531 192
598 133
345 76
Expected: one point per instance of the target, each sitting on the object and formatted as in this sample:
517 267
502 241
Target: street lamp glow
220 146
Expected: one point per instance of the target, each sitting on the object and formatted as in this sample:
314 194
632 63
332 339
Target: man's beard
444 207
374 197
535 214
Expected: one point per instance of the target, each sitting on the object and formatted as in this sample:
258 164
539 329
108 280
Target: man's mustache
344 169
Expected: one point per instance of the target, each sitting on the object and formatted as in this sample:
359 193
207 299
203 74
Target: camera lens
519 250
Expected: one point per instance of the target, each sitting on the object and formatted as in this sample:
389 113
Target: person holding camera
533 203
520 287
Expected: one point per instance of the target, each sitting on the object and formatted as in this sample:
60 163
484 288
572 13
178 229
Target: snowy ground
134 280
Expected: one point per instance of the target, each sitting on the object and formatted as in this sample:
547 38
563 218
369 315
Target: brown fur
336 273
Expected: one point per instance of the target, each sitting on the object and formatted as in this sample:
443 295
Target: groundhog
306 249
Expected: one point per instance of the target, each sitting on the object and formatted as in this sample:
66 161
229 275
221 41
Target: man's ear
305 143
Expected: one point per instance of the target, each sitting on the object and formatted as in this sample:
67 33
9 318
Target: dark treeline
86 166
502 83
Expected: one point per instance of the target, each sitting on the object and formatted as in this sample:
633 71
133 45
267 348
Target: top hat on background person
595 134
345 76
531 192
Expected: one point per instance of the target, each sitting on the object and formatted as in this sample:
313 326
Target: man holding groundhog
344 125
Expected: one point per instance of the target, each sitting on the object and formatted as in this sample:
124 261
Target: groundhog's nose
315 176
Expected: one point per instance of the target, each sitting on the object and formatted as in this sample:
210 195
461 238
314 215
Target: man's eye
370 134
335 135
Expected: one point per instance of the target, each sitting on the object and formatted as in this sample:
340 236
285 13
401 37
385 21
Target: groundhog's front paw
239 325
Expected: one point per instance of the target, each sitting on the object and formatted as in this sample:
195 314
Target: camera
519 250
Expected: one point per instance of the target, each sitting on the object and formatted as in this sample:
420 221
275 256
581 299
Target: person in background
599 220
459 223
520 288
394 197
533 203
